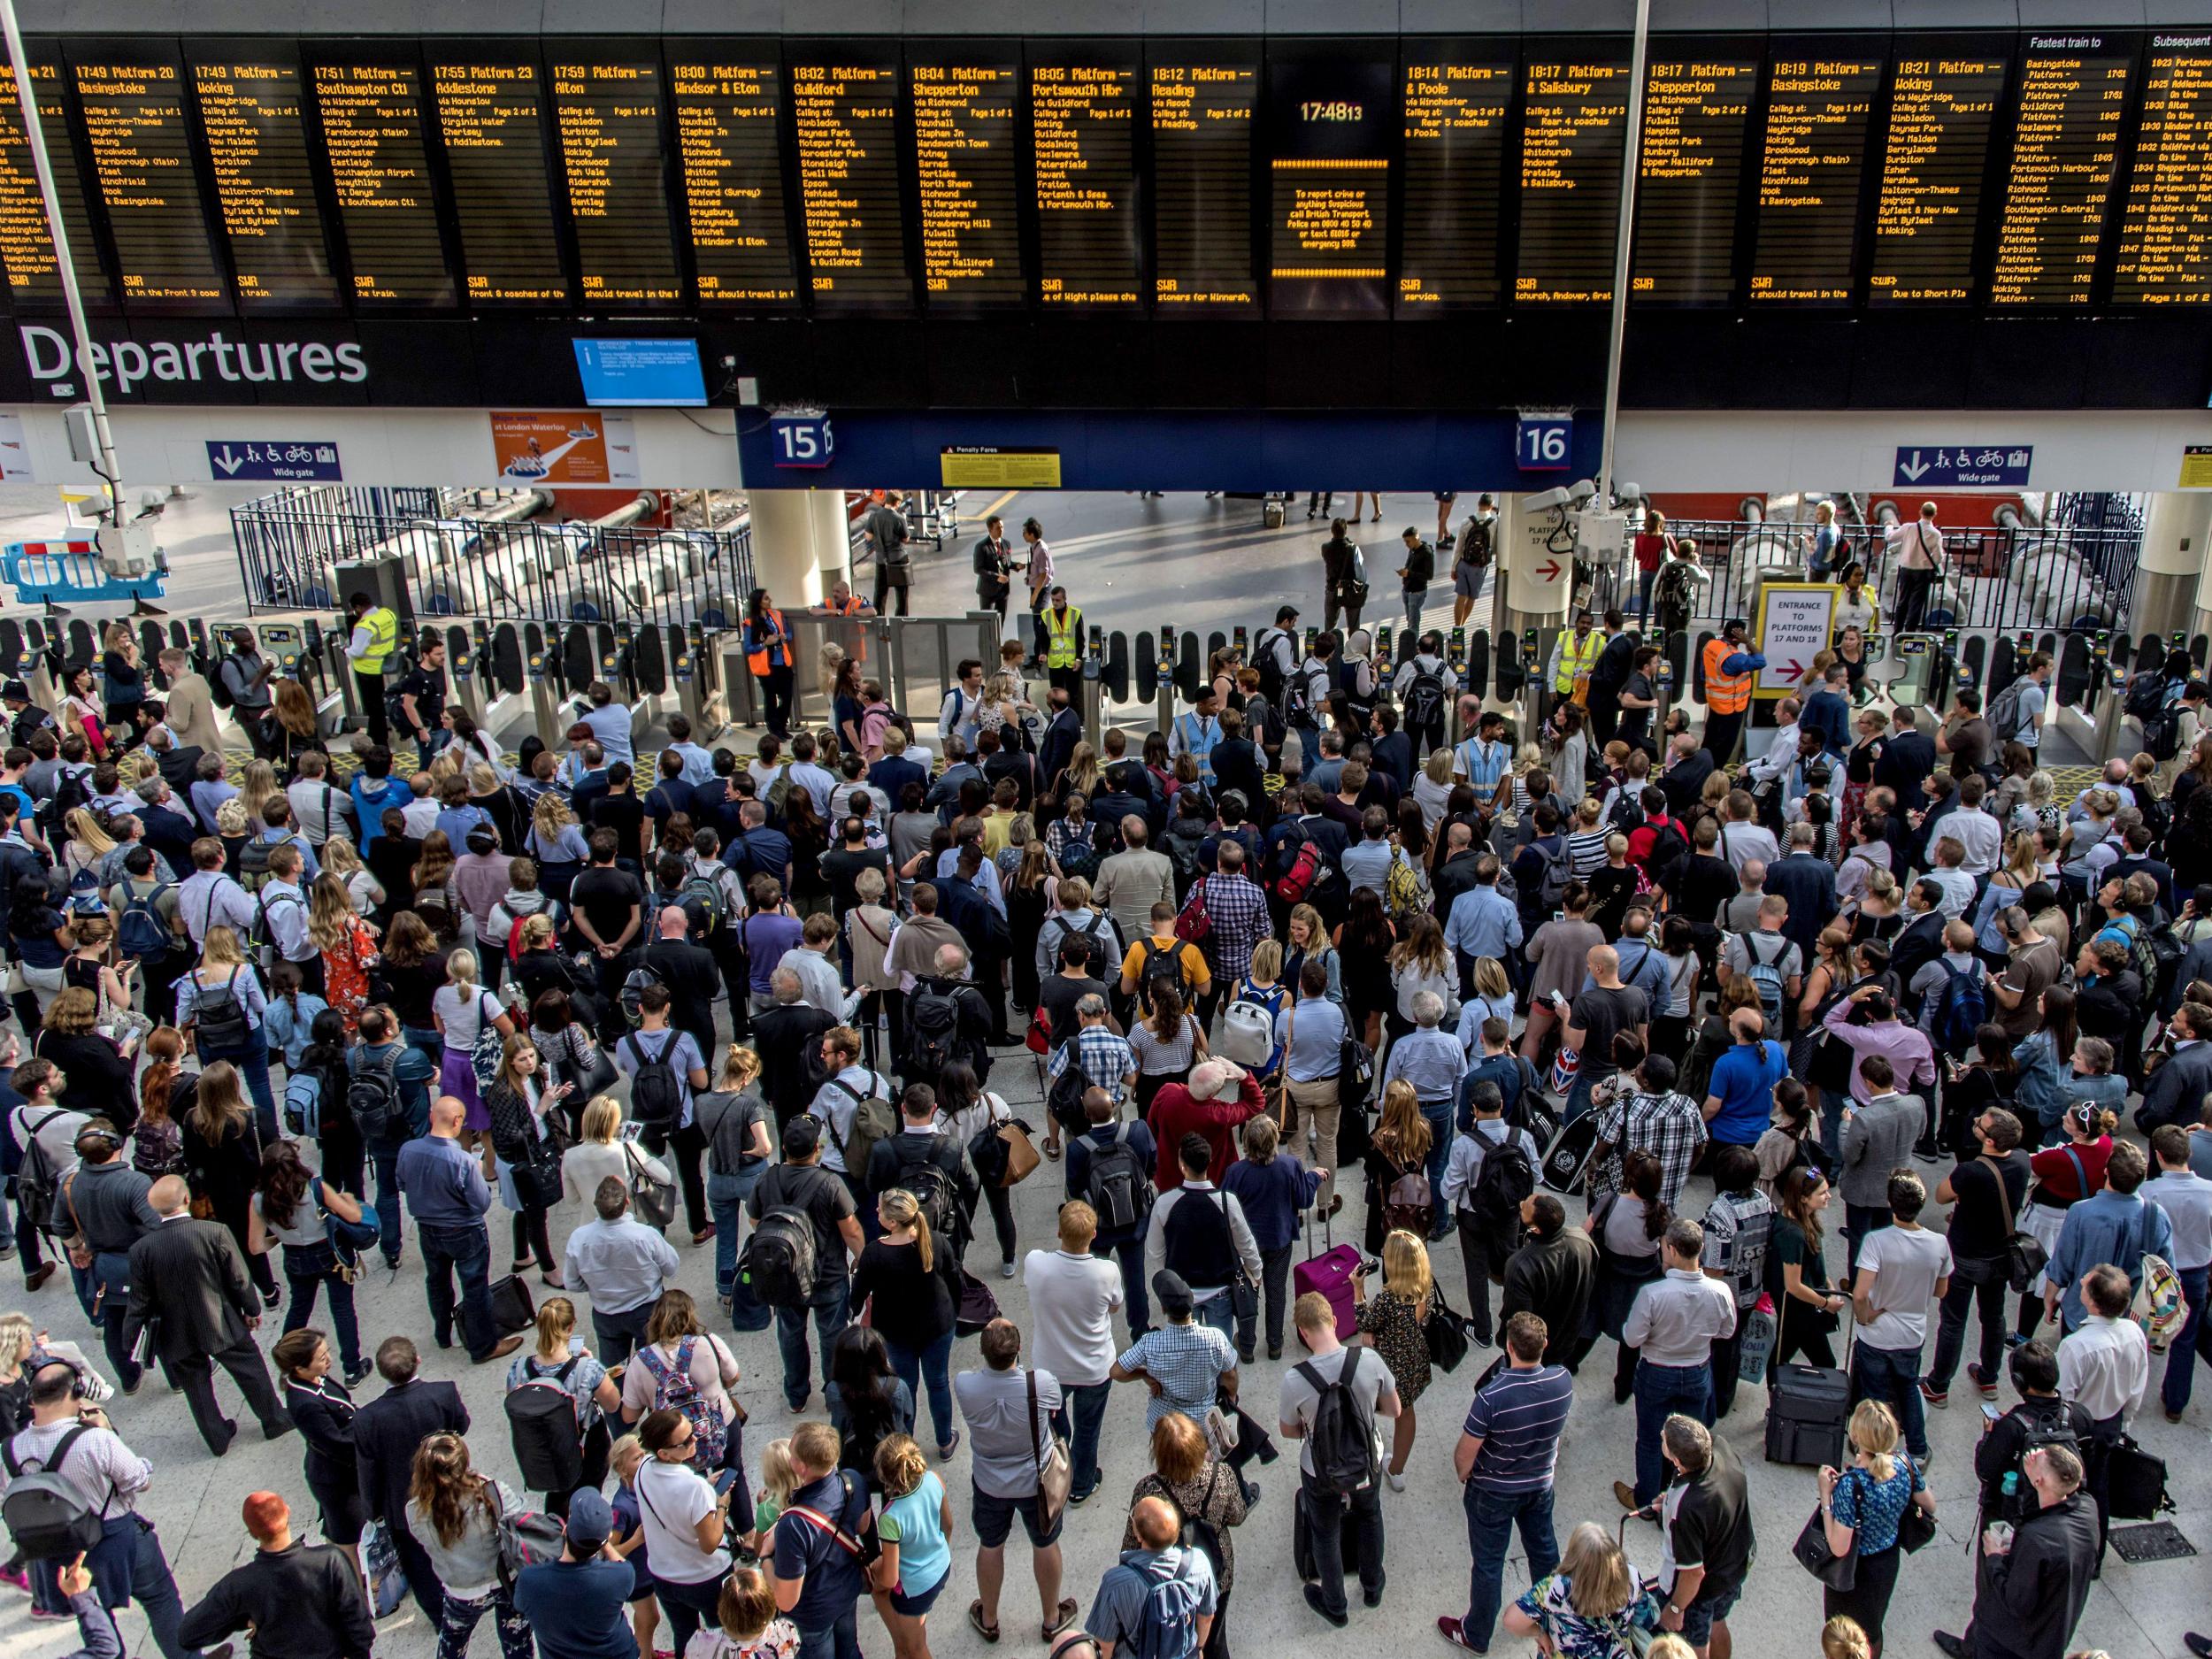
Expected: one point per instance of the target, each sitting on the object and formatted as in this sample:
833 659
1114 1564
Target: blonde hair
230 819
220 950
341 856
85 830
1841 1637
549 817
1406 1266
900 1209
603 1119
460 967
1267 962
900 1465
18 1334
627 1453
536 931
1874 1437
556 1323
1438 767
1490 979
1261 1137
330 915
1317 930
739 1067
256 784
1597 1572
777 1479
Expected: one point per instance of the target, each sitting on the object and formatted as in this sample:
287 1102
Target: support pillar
2172 583
799 544
1533 583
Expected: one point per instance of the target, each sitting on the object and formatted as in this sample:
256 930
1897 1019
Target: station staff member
1573 655
1730 672
1063 643
375 637
994 568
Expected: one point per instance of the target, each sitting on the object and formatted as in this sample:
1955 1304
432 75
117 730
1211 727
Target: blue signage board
641 373
273 461
802 440
1963 466
1544 443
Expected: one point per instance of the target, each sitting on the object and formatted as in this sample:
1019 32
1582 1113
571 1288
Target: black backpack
636 983
2049 1424
45 1511
1094 955
219 1016
1066 1101
70 792
1507 1178
656 1094
1269 665
933 1193
778 1264
38 1181
1341 1435
1425 698
933 1032
1119 1188
541 1423
374 1098
1163 965
1668 859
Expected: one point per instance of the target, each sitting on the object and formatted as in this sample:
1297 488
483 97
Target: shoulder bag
2026 1257
1838 1572
1056 1469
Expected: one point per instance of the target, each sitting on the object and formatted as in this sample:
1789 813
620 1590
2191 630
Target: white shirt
1679 1316
819 983
1071 1304
1980 834
58 1136
670 1496
2105 1367
1741 843
1240 1234
1908 1262
422 815
1957 884
1917 544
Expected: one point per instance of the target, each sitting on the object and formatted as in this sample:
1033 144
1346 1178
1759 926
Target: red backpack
1302 877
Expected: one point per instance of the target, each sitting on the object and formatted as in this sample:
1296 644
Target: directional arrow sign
1548 570
1913 471
1963 466
274 461
1793 668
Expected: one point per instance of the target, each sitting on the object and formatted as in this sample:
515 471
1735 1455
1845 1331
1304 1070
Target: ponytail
901 1210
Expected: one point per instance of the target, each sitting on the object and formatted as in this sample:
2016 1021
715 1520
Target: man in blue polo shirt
1739 1101
1504 1460
814 1568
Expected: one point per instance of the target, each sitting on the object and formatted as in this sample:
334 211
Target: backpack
45 1513
634 984
1119 1188
1669 857
673 1390
528 1539
1094 955
2167 953
140 931
1269 667
1064 1100
2003 715
1080 857
1163 965
2159 1304
1551 886
874 1120
303 1109
934 1194
1425 698
1673 592
1961 1006
702 891
1248 1034
1193 925
1303 875
2146 697
778 1265
1341 1435
1401 890
70 792
542 1424
1409 1204
1182 855
656 1094
1475 539
1507 1178
1168 1628
219 1016
38 1179
253 861
1766 977
2055 1428
933 1032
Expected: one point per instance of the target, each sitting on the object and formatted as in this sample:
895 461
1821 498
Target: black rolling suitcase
1808 1408
1301 1542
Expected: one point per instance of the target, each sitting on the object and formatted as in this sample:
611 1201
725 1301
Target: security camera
1548 500
1629 492
1582 490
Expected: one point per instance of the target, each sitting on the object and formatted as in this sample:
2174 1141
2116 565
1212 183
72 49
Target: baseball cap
590 1522
16 691
1172 1292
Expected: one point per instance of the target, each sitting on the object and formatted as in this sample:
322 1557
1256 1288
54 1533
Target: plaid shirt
1187 1361
1668 1126
1239 911
1106 1059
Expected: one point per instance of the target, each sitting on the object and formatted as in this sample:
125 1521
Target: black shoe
1373 1598
1314 1601
1245 1356
1274 1353
357 1372
277 1431
230 1433
1955 1645
2200 1646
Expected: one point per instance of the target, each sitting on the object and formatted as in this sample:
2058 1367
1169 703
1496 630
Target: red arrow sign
1794 667
1548 570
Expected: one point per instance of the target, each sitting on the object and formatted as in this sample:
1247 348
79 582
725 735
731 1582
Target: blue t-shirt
802 1549
578 1609
915 1522
1744 1080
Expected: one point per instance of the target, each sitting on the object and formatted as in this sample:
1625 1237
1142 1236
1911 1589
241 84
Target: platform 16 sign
1544 443
802 440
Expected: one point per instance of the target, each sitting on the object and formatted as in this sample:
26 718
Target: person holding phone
528 1156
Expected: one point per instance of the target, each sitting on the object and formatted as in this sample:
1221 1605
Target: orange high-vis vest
1724 694
770 631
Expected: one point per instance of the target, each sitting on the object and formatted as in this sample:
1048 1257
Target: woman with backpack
292 1207
528 1152
559 1360
866 1401
454 1515
163 1089
682 1367
1208 1494
904 1270
222 1162
1397 1163
970 1111
1072 840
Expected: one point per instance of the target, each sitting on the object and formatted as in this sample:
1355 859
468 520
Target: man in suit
1688 766
785 1035
192 1272
2176 1091
1808 881
179 762
386 1432
191 705
1908 758
1060 739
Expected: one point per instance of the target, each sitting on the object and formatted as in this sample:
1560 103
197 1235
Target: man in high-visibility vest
375 637
1063 643
1731 669
1573 654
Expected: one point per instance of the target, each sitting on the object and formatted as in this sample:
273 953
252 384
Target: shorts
1467 578
1447 494
1702 1614
993 1519
915 1606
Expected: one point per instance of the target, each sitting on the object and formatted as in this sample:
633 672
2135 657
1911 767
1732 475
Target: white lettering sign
130 363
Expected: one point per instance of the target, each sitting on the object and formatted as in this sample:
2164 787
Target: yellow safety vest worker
1725 694
1576 660
383 625
1063 631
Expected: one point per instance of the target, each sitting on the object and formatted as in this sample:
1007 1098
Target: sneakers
1453 1632
1981 1379
1935 1396
1397 1481
1314 1601
1006 1269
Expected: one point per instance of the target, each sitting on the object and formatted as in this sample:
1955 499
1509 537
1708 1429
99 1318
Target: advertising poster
584 446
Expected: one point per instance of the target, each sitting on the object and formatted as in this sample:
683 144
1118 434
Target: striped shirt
1519 1417
1586 852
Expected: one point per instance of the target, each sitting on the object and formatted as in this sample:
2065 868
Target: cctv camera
1582 491
1629 492
1550 499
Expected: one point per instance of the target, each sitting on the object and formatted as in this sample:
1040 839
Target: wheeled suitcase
1330 1274
1271 513
1301 1541
1567 1158
1806 1410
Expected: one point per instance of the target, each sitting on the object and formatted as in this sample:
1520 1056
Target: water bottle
2011 1483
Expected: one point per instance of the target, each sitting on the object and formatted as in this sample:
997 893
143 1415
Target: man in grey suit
1877 1138
188 1283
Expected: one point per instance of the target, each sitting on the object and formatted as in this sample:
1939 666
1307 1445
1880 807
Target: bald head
952 961
674 923
1604 964
1156 1523
170 1196
447 1115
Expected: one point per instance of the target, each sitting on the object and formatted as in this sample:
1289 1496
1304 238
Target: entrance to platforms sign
1793 627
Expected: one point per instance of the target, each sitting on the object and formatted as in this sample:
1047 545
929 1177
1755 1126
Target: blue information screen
641 373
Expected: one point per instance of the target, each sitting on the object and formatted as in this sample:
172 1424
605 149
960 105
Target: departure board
1457 95
728 104
2166 231
1810 170
969 178
1941 110
1202 182
1328 156
380 171
256 147
2065 156
26 247
607 110
132 100
846 117
1083 150
491 123
1689 177
1574 130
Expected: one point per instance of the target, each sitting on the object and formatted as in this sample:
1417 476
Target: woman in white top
454 1514
460 1008
343 859
601 1153
1421 962
687 1525
1433 787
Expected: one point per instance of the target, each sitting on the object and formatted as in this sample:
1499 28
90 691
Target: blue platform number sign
802 440
1544 443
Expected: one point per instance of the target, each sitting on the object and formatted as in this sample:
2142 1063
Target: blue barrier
70 572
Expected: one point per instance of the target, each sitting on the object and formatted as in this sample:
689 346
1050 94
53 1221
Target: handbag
2135 1482
653 1200
1446 1334
1056 1469
510 1305
2026 1257
1915 1529
1838 1572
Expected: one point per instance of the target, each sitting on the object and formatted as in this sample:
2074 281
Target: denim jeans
2195 1339
1892 1377
840 1641
726 1201
1274 1284
128 1565
1491 1518
687 1606
829 1306
465 1251
1972 1280
1129 1253
620 1334
252 1057
1080 1425
925 1368
459 1620
386 1162
1579 1096
1219 1310
1661 1392
1438 1116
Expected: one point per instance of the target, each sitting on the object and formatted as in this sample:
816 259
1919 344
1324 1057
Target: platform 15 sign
802 440
1544 443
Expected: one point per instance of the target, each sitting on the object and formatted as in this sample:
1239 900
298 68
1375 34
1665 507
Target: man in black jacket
1061 736
970 1036
1457 874
688 971
1908 758
1921 940
1607 675
1238 764
2034 1583
1688 766
786 1036
300 1601
386 1432
894 1161
192 1273
1551 1276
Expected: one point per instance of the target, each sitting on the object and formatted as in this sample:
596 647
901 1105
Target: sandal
1065 1618
1052 1150
989 1632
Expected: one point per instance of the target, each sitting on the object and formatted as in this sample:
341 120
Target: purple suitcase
1330 1273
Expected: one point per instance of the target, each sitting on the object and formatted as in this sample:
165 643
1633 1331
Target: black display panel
27 246
252 110
1697 111
728 98
1203 103
1329 143
1457 98
2166 230
2072 108
1574 131
845 111
131 98
1942 107
1086 103
607 111
964 109
371 113
1812 165
491 123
